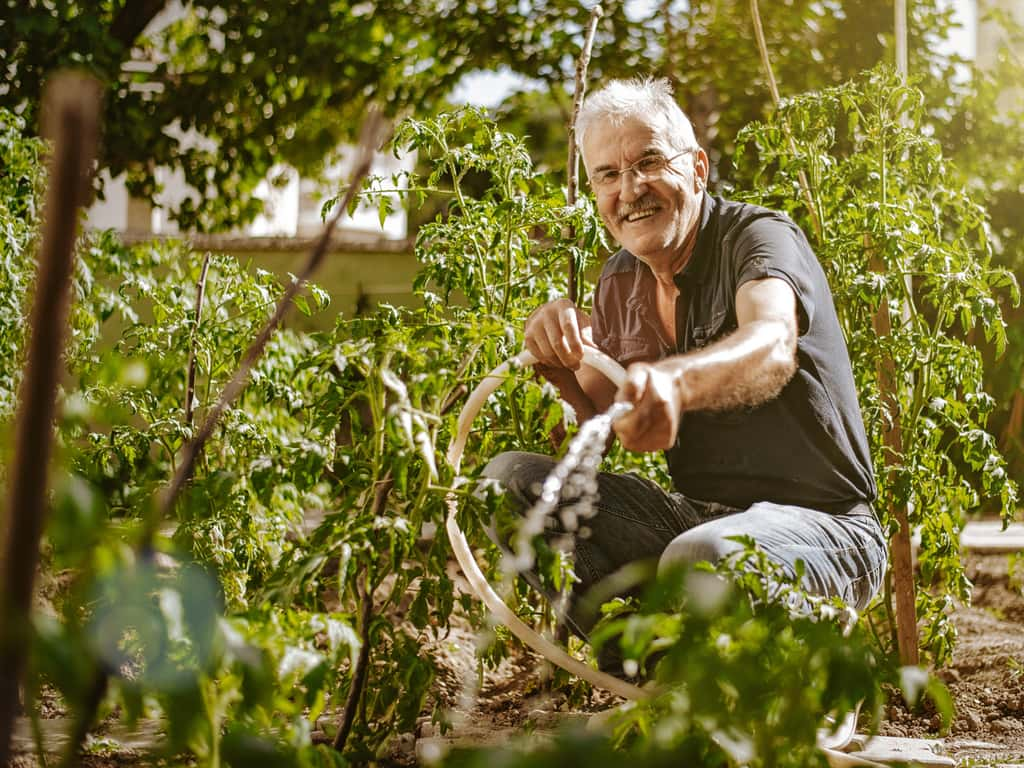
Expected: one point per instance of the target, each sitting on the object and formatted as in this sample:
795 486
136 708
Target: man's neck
666 270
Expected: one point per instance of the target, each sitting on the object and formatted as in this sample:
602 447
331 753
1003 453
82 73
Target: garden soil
514 701
985 678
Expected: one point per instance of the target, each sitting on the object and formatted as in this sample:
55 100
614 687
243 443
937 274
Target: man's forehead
635 137
633 133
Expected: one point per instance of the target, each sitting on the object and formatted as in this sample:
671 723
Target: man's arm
747 368
556 333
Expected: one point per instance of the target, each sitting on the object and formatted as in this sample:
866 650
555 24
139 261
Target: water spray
580 452
477 581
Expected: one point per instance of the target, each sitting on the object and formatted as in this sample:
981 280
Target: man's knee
695 546
519 473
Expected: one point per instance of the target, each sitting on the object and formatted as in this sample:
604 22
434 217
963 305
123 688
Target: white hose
463 553
829 743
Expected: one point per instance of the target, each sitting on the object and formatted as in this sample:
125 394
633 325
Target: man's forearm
745 369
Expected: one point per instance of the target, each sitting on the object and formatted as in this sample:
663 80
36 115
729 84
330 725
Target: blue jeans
844 555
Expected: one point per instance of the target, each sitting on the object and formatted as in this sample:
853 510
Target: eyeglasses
647 167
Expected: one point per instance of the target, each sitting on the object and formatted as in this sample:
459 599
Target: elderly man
736 367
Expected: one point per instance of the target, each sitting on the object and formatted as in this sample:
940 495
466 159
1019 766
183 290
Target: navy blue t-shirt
807 447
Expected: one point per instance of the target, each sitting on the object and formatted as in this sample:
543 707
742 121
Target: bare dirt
986 677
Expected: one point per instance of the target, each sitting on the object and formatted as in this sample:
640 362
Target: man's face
653 216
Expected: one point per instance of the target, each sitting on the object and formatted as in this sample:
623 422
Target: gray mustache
644 203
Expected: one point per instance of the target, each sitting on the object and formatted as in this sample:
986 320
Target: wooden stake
899 548
71 109
773 88
900 555
573 170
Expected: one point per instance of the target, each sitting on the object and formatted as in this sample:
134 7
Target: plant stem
572 171
359 673
190 386
86 714
361 667
71 115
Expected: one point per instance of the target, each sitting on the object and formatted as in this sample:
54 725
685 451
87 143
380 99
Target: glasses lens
649 166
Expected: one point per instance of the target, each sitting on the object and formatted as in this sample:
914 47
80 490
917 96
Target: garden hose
828 742
477 581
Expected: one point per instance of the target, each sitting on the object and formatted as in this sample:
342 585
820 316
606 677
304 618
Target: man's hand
654 390
554 333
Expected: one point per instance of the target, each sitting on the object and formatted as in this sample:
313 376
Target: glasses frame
664 163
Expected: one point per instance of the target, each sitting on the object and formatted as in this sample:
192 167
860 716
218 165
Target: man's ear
701 169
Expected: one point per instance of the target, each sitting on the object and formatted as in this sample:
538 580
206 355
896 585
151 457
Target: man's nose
632 185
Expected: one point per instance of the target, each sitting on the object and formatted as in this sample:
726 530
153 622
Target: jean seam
874 570
818 549
646 523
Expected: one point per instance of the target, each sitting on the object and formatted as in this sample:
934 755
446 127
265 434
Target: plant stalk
773 88
190 386
71 114
84 719
360 672
573 167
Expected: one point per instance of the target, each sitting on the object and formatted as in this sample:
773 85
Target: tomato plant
297 582
902 237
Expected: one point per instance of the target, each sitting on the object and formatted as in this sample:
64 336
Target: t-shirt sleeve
773 246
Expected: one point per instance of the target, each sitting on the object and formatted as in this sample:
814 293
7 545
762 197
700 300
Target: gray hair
645 97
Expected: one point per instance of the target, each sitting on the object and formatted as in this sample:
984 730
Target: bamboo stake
572 182
71 107
372 133
900 32
899 548
773 88
900 554
190 385
670 48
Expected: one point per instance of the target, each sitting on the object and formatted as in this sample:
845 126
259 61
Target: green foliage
906 248
248 615
21 178
318 499
748 665
225 91
745 667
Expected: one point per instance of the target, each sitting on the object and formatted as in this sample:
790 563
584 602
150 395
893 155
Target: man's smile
644 209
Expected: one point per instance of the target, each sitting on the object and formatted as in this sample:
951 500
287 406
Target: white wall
291 209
